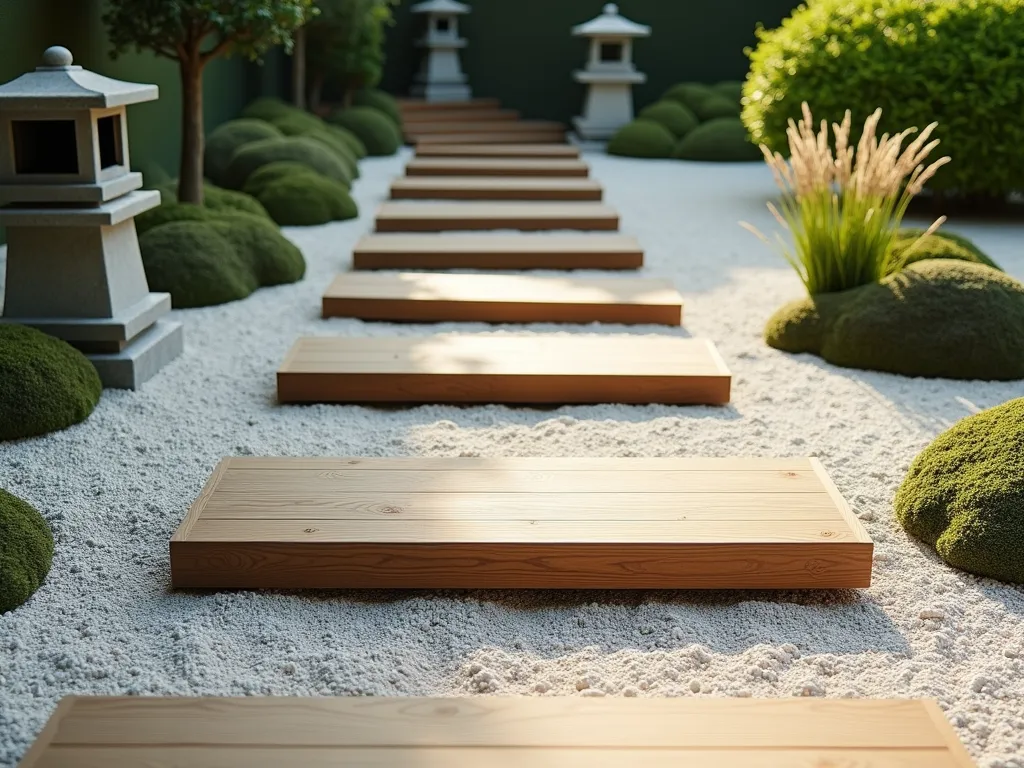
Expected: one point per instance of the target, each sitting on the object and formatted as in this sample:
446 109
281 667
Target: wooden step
491 252
538 137
500 166
494 188
497 150
520 523
497 732
421 128
519 368
419 297
466 216
459 116
422 105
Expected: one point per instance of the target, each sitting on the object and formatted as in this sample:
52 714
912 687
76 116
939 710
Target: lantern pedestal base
142 358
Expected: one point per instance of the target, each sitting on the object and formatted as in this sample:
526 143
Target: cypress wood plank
387 523
498 252
419 128
566 732
493 137
419 297
476 216
494 188
532 368
489 166
497 150
422 106
452 115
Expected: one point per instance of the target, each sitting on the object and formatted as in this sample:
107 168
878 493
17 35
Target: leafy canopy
346 41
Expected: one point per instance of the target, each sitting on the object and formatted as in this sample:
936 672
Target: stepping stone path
493 188
496 166
475 216
480 121
497 150
498 732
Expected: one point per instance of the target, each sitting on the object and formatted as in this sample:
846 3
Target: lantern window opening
108 135
45 147
610 53
442 24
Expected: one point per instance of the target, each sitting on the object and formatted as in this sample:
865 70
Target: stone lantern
440 77
609 74
74 269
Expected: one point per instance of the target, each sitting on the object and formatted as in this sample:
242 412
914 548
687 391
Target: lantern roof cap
611 24
59 84
440 6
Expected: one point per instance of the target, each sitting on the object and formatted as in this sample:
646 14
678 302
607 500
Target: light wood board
475 216
533 523
497 150
533 137
484 166
471 115
421 127
494 188
425 297
495 251
518 368
422 106
497 732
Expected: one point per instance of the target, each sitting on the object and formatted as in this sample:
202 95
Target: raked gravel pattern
115 488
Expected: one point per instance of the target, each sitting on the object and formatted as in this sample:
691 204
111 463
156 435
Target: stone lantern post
609 74
74 269
440 77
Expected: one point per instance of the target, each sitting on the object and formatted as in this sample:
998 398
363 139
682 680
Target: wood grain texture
420 297
476 216
495 188
497 252
498 150
413 107
415 118
493 137
530 368
511 523
496 166
566 732
419 128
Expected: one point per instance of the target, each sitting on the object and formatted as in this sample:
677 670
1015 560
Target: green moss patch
332 137
267 108
378 132
379 100
298 149
723 139
689 94
964 494
228 138
26 551
215 202
941 245
937 318
45 383
642 138
679 120
295 196
715 106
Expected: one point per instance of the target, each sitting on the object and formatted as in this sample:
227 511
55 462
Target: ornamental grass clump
843 205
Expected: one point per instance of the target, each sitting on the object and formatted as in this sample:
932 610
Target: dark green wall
522 52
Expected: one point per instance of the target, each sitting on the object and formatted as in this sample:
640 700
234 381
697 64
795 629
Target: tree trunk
299 69
190 179
316 92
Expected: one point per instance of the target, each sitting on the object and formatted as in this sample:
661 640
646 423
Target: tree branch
216 51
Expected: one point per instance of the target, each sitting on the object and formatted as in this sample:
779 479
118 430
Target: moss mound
268 107
689 94
716 106
215 201
937 318
941 245
168 212
295 196
722 140
730 89
642 138
298 149
228 138
26 551
270 257
379 100
964 494
670 114
378 132
301 124
45 383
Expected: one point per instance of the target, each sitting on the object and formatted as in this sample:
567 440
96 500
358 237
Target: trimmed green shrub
295 196
941 245
272 258
26 551
689 94
228 200
642 138
153 174
721 140
299 149
45 383
379 100
937 318
269 107
351 140
316 129
168 212
716 106
378 133
672 115
730 89
899 55
964 494
215 201
228 138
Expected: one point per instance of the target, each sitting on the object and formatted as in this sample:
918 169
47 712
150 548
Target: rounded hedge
220 200
721 140
730 89
295 196
379 100
937 318
378 133
271 257
298 149
228 138
964 494
689 94
941 245
716 106
45 383
316 129
215 201
670 114
642 138
26 551
269 107
899 55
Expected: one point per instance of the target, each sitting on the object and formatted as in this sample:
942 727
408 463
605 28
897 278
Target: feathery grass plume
843 207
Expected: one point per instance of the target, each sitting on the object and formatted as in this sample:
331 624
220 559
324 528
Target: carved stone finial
57 56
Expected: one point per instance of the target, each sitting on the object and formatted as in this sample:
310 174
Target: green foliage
379 100
937 318
716 106
672 115
271 257
956 63
230 201
153 174
964 494
299 149
378 133
318 130
292 121
295 196
26 551
268 108
45 383
722 140
642 138
345 44
941 245
228 138
730 89
168 212
215 202
689 94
